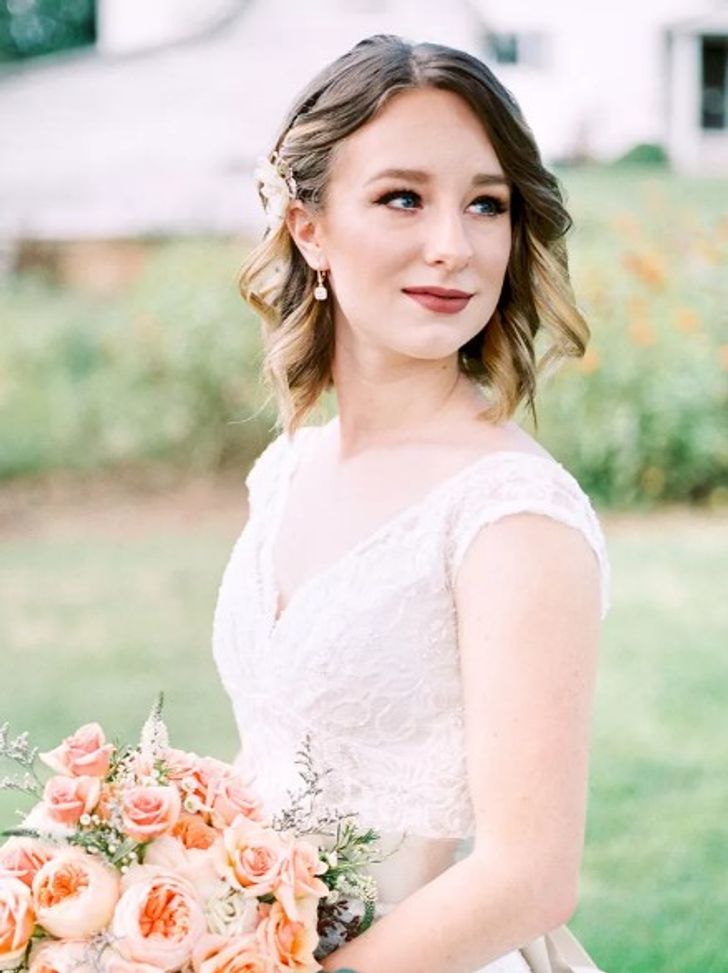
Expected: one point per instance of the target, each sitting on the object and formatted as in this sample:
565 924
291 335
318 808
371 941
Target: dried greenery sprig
20 752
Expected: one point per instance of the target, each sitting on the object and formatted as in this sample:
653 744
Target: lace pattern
364 657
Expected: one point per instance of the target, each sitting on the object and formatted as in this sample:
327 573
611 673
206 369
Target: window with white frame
525 47
714 82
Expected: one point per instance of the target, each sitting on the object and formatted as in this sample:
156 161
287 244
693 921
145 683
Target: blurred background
131 405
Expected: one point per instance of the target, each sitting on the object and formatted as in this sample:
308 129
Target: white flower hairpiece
277 186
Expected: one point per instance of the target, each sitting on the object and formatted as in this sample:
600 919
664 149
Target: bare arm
527 598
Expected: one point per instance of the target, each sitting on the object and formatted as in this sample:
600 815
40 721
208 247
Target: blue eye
398 194
497 205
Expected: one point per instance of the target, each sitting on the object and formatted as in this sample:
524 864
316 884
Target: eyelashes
499 206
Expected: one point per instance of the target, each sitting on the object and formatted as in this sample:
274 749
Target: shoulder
532 505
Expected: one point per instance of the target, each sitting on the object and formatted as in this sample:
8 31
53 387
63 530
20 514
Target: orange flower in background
589 362
686 320
642 332
636 305
649 267
627 225
723 353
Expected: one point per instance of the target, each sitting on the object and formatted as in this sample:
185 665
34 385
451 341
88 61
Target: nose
446 239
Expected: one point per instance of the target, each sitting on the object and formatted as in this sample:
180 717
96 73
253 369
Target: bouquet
148 858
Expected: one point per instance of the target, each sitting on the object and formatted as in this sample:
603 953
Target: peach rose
158 918
17 920
230 796
179 764
193 864
22 857
291 943
193 832
84 753
67 798
61 956
111 962
74 894
250 856
298 876
208 771
148 812
220 954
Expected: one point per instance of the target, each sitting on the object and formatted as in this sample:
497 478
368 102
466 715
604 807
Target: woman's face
444 224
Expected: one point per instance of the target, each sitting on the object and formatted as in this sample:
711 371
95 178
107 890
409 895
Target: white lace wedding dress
365 658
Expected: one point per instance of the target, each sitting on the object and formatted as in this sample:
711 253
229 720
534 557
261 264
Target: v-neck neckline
276 616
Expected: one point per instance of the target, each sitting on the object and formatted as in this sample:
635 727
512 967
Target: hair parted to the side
298 330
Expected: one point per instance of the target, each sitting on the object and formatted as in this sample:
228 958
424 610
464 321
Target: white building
697 106
157 129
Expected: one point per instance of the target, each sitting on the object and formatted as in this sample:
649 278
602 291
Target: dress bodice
364 657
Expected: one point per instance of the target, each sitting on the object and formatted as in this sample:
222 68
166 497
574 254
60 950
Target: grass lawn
107 602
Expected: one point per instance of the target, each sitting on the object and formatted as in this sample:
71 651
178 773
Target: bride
444 671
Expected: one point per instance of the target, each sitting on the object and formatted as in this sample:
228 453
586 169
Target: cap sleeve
524 482
263 475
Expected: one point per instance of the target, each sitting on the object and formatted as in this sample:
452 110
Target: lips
439 299
437 292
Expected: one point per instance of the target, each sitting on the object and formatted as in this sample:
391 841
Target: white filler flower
277 186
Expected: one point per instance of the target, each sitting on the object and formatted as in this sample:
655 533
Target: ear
306 233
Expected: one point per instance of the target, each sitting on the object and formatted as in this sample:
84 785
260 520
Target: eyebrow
417 175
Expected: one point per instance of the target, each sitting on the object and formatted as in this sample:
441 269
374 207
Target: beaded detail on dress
364 657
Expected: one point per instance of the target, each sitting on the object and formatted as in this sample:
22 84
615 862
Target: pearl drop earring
320 292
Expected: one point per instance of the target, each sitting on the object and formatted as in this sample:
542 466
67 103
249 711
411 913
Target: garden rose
61 956
112 962
219 954
17 920
22 857
67 798
84 753
193 864
291 943
250 856
148 812
158 918
74 894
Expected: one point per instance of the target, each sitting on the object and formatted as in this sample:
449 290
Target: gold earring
320 292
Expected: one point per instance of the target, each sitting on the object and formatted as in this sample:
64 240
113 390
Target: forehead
423 128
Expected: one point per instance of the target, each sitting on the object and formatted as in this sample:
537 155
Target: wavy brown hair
277 282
